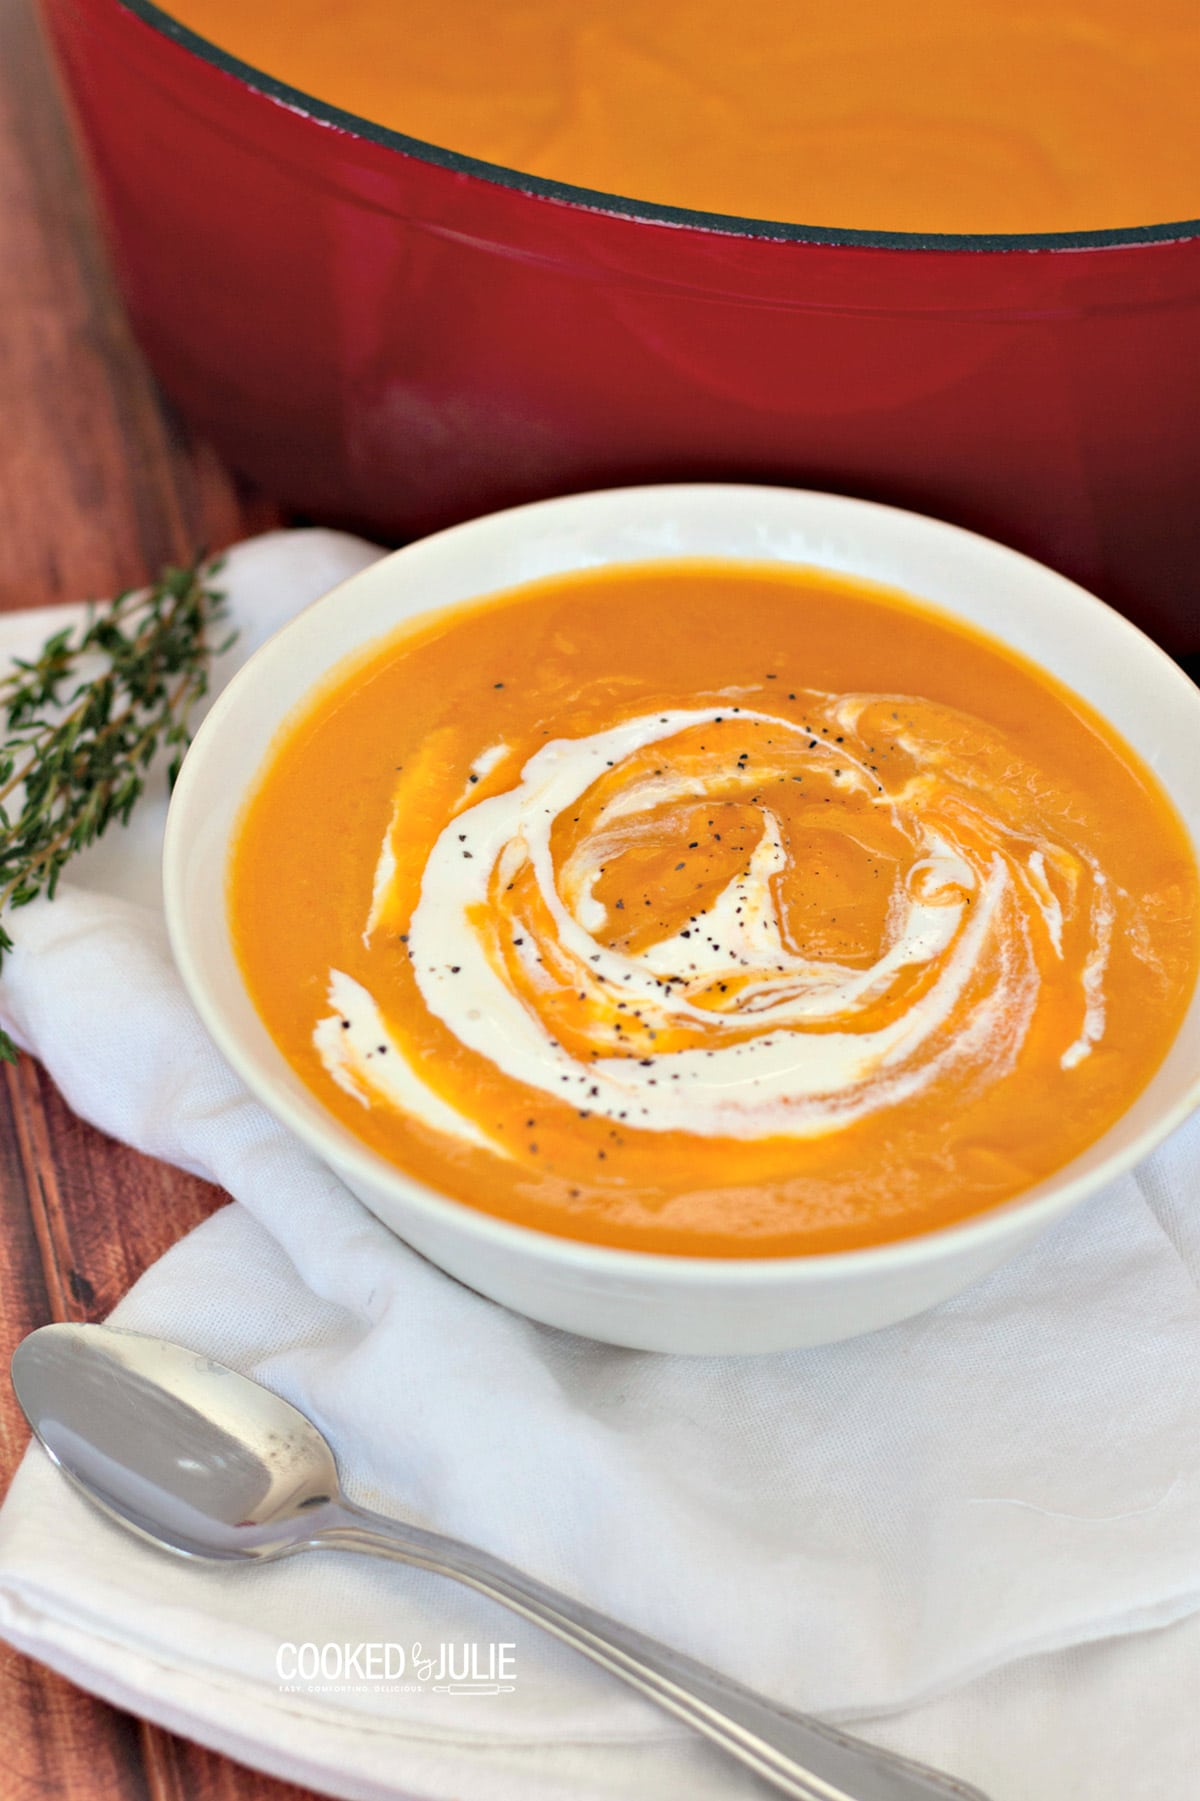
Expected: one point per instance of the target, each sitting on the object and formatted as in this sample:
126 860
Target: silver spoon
208 1464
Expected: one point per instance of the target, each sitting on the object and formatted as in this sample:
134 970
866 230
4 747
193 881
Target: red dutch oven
393 336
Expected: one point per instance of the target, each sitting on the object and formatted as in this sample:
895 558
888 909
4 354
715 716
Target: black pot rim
619 206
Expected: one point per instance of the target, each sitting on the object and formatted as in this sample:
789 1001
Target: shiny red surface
394 343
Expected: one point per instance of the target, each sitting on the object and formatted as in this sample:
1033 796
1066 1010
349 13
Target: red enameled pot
394 336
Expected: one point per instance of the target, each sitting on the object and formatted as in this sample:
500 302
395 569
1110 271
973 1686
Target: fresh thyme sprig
85 719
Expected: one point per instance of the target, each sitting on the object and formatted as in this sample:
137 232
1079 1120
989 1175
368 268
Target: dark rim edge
620 206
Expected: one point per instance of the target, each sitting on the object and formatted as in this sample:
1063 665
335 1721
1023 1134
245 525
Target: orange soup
718 909
950 116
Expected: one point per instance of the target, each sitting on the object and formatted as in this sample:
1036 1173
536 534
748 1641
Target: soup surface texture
950 116
720 909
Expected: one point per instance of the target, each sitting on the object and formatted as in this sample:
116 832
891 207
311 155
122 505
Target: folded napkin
948 1530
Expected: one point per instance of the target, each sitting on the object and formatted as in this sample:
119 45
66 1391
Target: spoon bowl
208 1464
180 1449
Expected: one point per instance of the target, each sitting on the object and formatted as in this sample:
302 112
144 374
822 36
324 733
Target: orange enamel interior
951 116
391 744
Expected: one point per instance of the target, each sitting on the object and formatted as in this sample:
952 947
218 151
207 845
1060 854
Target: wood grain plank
102 1213
55 1740
96 1214
63 1190
63 1744
183 1771
99 483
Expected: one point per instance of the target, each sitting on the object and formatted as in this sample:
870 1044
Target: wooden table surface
99 485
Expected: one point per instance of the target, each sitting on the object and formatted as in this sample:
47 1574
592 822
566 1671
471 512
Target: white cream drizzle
1093 975
484 764
365 1061
963 917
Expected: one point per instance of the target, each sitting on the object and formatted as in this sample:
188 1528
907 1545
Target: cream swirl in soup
736 1023
716 909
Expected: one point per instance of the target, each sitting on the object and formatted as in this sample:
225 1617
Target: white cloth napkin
928 1530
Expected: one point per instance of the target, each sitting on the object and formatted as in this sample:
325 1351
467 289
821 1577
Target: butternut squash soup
948 116
713 908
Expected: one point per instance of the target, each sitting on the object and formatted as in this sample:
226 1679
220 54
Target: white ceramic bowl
644 1300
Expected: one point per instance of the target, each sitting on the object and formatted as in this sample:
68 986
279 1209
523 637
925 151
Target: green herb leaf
70 766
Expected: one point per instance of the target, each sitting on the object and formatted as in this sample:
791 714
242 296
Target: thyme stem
76 756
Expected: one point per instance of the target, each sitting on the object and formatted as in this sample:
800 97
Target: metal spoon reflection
208 1464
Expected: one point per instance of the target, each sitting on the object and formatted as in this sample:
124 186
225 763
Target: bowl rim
626 207
336 1145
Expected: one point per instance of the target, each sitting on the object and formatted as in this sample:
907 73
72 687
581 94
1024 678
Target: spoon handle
800 1757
